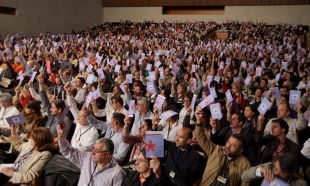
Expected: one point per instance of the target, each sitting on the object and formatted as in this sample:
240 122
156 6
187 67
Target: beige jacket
216 157
33 168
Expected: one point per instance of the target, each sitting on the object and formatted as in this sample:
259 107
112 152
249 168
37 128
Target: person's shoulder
93 131
243 162
118 169
292 144
47 154
195 154
130 173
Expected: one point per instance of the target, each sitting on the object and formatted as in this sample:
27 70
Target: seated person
147 172
183 165
7 109
85 135
225 164
34 118
33 156
277 143
54 110
137 141
97 167
284 167
114 133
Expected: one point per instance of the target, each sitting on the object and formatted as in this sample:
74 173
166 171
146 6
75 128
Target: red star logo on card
150 146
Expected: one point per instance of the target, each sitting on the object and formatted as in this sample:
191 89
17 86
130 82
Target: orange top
18 68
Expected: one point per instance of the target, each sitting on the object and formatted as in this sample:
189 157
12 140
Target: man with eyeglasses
97 167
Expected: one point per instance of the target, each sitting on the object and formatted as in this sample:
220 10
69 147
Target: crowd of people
232 111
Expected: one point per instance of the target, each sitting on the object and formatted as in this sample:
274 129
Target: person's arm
43 96
75 156
73 107
206 145
34 94
126 137
254 172
68 123
15 140
97 123
121 152
34 172
301 123
126 97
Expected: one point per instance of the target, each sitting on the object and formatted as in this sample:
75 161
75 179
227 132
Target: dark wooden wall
150 3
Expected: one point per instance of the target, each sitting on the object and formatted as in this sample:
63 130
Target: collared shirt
111 174
139 121
84 137
120 148
169 132
183 114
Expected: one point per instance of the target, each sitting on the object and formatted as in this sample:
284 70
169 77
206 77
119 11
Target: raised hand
60 132
267 173
155 166
213 123
199 116
40 79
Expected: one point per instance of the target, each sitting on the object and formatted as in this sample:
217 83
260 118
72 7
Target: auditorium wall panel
34 16
293 14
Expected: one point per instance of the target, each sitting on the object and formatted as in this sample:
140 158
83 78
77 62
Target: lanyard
112 134
92 175
83 132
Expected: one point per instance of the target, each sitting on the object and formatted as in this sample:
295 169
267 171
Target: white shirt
84 137
139 121
169 132
109 113
5 113
306 149
80 95
183 114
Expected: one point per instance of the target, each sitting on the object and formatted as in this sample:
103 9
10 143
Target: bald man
184 165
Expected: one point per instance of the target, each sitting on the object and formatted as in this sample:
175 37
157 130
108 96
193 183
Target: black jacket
182 168
133 178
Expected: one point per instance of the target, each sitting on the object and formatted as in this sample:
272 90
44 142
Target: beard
232 155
